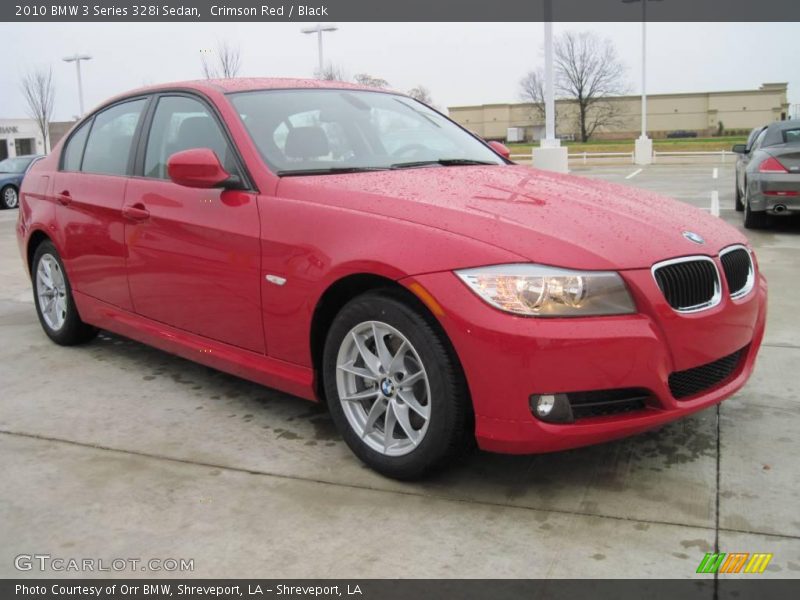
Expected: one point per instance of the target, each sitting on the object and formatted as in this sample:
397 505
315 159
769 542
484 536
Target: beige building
738 112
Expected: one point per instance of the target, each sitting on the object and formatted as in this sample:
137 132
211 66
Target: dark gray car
768 173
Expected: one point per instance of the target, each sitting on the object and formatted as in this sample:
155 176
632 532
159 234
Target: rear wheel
9 198
395 390
754 219
52 296
738 202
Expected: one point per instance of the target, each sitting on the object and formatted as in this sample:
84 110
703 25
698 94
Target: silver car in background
768 173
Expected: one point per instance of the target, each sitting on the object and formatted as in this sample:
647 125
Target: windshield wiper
445 162
328 171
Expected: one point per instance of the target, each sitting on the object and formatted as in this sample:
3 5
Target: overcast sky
461 63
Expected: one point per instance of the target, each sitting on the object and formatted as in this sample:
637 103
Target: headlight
539 291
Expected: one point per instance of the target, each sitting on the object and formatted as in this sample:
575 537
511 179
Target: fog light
552 408
544 405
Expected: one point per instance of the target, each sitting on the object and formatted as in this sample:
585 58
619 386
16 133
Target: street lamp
643 153
550 154
77 58
318 30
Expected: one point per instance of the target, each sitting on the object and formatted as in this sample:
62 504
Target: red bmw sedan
355 247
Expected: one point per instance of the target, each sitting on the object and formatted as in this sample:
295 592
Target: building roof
766 88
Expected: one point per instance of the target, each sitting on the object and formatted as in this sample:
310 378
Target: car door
89 190
193 254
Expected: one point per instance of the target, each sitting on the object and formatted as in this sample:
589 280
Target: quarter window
182 123
111 137
74 149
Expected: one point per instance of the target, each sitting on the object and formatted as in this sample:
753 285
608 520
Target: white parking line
715 173
634 174
715 203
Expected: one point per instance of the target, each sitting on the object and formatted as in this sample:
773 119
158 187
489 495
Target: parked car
12 170
682 133
433 295
768 173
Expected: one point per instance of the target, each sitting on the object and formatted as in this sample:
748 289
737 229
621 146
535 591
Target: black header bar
398 10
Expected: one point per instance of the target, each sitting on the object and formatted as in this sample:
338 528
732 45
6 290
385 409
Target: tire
417 350
9 197
754 220
738 202
59 319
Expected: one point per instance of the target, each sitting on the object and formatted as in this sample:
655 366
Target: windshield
328 131
15 165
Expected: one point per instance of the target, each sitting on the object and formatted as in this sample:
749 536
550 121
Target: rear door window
111 138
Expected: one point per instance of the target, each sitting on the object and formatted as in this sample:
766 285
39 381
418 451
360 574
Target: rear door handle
64 198
136 212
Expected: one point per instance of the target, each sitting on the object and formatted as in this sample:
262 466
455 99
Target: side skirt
286 377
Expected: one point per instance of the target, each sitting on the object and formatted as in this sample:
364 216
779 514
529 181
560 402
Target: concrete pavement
115 449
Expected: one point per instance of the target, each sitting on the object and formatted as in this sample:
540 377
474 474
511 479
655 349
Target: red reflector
781 193
772 165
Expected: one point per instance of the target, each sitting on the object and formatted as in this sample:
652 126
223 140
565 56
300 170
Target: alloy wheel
51 292
10 198
383 388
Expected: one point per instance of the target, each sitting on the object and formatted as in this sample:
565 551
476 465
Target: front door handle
136 212
64 198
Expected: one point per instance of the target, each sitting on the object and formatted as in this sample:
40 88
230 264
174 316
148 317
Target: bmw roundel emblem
694 237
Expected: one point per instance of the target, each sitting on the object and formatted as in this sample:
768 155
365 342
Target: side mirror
197 168
739 148
500 148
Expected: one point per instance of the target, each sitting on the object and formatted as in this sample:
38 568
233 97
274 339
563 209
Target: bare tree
369 80
421 93
588 71
332 72
225 64
531 89
39 91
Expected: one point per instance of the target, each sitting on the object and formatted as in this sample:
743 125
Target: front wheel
10 197
394 387
52 296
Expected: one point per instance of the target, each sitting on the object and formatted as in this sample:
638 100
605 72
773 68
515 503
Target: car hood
538 215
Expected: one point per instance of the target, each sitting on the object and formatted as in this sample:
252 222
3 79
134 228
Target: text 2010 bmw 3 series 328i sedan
356 247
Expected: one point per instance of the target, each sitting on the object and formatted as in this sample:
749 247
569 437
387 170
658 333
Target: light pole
318 30
550 154
77 58
643 151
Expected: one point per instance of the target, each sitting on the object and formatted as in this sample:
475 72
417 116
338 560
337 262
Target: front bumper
508 358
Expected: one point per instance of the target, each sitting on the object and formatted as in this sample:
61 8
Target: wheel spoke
408 397
372 362
378 408
51 312
359 396
357 371
44 276
388 427
401 412
396 363
61 307
384 355
409 381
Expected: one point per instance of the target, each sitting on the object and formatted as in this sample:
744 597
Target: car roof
774 136
248 84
